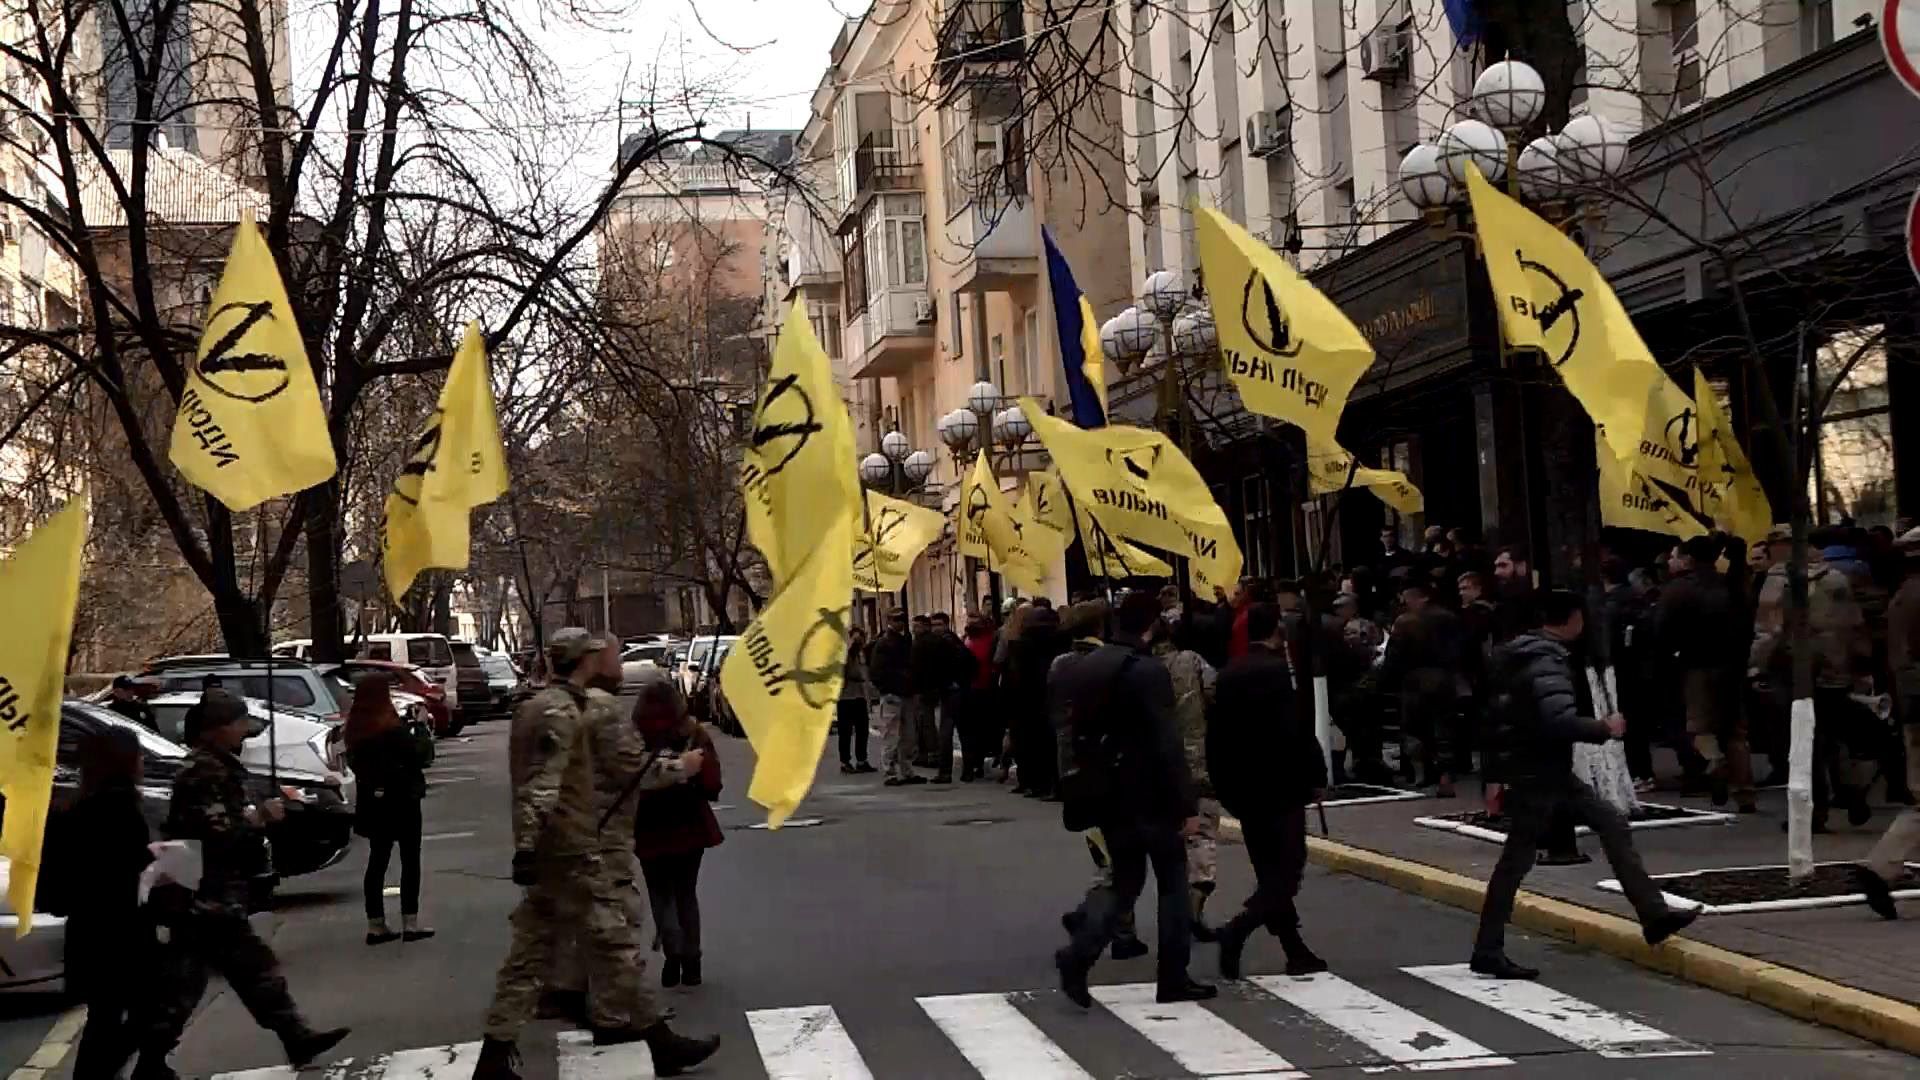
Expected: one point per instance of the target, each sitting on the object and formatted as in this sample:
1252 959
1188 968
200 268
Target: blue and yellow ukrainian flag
1079 341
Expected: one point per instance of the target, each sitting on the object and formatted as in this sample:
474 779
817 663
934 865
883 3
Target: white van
428 652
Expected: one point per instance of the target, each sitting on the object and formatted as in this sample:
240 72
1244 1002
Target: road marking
55 1047
1561 1015
806 1043
998 1039
445 836
1201 1042
581 1060
442 781
1400 1035
453 1062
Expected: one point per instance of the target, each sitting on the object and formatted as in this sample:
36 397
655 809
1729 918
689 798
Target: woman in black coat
110 940
390 769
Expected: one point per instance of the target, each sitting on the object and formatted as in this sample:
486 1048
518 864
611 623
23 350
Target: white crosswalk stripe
806 1043
1561 1015
1200 1041
1400 1035
1020 1036
998 1039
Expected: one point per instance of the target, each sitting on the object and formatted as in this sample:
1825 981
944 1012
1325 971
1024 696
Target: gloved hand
523 869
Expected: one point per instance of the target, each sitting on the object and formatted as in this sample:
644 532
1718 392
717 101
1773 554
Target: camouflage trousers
569 972
209 940
587 896
1203 847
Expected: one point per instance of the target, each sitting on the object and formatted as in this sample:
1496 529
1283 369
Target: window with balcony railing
979 32
982 150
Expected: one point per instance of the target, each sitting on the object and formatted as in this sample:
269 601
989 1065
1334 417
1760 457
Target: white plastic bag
1604 765
175 862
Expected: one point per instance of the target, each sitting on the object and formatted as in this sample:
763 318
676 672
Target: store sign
1900 38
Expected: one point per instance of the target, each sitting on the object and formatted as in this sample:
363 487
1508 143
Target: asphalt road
908 932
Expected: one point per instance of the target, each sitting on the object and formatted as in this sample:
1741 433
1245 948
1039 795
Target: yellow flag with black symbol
896 533
1289 351
1553 299
1629 500
39 589
1112 558
1045 504
1739 504
988 525
782 678
1139 486
1329 467
250 425
797 471
457 464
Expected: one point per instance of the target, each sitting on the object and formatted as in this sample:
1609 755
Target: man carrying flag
457 464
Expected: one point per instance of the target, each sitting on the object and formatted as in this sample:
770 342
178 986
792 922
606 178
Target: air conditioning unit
1269 131
1385 54
923 309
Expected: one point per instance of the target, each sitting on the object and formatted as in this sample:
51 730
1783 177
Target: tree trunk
323 572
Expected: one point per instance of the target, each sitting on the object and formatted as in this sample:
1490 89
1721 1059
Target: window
1255 536
1853 469
981 151
825 318
1816 25
959 339
1034 379
1683 32
377 650
895 244
1233 198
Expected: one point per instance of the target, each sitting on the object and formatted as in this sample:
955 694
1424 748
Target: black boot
670 972
1197 900
1128 947
690 971
1073 978
1300 959
1879 894
674 1053
305 1046
1665 926
1499 967
1233 941
499 1060
1185 990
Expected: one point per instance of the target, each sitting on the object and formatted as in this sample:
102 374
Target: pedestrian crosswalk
1267 1027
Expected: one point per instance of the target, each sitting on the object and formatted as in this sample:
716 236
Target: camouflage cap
571 644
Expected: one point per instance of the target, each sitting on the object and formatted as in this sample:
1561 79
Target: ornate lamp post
896 469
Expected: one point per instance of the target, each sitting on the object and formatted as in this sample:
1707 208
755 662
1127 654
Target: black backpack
1099 752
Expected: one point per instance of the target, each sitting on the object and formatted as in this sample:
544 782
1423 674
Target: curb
1884 1020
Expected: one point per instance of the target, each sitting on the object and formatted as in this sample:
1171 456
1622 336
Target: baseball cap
568 645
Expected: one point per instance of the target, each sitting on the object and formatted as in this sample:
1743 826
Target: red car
406 679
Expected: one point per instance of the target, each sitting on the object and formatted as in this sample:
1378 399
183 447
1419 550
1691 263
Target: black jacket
103 849
1695 623
1432 640
391 777
1535 714
940 662
1261 752
1128 693
137 711
890 663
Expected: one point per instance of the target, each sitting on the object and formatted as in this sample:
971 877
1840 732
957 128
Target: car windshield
150 742
429 650
463 655
499 667
292 691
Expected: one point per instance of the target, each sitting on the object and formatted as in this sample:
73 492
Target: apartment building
920 242
1292 116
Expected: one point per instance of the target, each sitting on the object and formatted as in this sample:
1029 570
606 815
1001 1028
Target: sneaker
303 1049
892 781
916 778
674 1053
1128 948
847 767
413 931
1186 990
378 934
863 767
1879 894
943 778
1073 979
1667 925
1498 966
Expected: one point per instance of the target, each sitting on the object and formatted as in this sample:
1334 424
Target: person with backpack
1537 713
1130 779
108 935
1266 767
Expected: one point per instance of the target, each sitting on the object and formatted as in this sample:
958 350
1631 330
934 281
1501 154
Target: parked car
509 687
638 658
409 684
476 693
704 693
428 652
296 685
698 661
720 714
307 759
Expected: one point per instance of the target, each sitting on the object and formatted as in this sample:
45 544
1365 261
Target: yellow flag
250 425
1045 504
799 461
1631 501
1139 486
1290 352
1111 558
458 463
1740 504
1553 299
989 530
39 588
897 532
783 676
1328 466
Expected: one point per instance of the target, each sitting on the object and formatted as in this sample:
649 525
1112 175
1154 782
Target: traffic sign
1900 38
1913 232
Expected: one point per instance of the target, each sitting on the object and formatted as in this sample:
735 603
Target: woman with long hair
390 769
108 934
675 826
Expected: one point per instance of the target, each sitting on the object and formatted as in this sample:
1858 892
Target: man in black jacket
890 666
1266 767
1702 639
1136 789
1535 720
1425 661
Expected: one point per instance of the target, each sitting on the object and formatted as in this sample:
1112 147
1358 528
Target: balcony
812 261
886 160
997 243
978 32
891 335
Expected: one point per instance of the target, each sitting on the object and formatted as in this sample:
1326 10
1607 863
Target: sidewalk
1848 945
